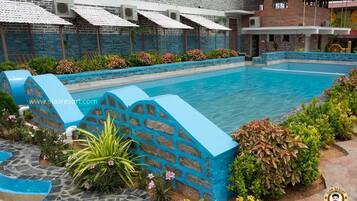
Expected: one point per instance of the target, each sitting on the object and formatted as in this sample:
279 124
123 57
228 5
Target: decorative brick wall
50 104
171 135
12 82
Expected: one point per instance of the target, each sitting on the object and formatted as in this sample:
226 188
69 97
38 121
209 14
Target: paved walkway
340 172
25 164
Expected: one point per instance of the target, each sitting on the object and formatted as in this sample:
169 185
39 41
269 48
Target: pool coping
269 63
121 81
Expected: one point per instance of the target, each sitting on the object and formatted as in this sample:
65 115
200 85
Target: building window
279 4
271 38
286 38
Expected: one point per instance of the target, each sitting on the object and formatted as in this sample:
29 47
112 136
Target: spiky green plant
106 163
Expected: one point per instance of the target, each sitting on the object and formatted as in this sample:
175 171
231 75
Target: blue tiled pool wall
108 74
46 41
320 56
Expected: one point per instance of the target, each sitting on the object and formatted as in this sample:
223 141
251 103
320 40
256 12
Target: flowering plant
66 67
222 53
194 55
115 61
170 58
161 185
142 59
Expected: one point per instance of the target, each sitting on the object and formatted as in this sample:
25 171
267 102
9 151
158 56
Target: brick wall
81 38
291 16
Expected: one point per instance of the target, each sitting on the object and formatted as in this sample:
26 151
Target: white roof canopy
163 20
239 12
205 22
100 17
27 13
151 6
307 30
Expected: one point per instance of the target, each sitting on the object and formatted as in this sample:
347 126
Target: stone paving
25 164
340 172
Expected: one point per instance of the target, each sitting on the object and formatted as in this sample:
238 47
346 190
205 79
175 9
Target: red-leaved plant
275 149
194 55
66 67
115 61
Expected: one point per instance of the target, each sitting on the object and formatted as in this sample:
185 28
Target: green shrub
308 159
97 63
221 53
43 65
7 105
243 179
106 163
345 89
316 116
341 119
275 151
8 65
52 146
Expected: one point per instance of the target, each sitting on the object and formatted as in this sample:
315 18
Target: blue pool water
22 186
231 98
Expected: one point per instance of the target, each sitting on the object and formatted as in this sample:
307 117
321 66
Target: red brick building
288 25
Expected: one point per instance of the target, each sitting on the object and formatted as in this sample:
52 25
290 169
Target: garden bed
116 73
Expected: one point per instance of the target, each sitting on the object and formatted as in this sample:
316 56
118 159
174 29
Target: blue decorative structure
50 103
171 135
13 82
22 186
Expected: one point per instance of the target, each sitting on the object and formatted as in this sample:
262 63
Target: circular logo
336 194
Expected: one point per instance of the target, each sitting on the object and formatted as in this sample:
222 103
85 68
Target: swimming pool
231 98
22 186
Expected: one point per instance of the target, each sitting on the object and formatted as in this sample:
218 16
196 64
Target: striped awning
204 22
27 13
100 17
163 20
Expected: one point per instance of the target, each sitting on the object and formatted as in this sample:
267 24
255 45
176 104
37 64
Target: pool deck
148 77
340 172
25 165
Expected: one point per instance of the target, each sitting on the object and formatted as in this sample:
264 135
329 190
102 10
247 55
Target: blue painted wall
48 44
